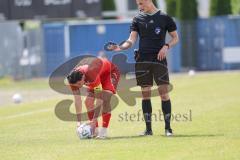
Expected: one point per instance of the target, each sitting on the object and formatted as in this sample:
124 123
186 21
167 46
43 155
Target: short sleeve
171 25
134 26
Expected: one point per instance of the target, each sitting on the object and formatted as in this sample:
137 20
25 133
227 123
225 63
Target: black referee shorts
147 69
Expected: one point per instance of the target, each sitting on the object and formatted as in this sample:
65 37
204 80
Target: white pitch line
25 114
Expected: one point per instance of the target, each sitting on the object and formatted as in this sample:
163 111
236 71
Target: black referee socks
147 112
166 109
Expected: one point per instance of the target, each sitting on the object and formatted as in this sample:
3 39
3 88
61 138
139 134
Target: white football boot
102 134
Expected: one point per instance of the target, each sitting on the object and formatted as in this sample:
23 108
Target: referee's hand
111 46
162 53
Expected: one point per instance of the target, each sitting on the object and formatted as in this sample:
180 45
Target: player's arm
125 44
173 41
78 105
130 42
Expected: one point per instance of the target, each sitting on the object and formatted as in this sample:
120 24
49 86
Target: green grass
8 83
32 131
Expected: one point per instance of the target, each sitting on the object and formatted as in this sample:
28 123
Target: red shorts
109 79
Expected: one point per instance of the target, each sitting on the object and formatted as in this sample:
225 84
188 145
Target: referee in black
151 25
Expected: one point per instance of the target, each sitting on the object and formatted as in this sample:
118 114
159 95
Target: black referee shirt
152 31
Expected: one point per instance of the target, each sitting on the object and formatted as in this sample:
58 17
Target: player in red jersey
100 77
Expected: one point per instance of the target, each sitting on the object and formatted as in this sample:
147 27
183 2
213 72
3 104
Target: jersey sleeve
134 25
171 25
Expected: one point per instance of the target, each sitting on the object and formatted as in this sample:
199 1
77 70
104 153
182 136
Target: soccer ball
191 73
84 131
17 98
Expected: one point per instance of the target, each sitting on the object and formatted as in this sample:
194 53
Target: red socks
106 119
90 116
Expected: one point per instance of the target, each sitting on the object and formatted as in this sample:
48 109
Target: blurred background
39 35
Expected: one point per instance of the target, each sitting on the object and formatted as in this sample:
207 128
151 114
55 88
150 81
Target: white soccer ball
191 73
84 131
17 98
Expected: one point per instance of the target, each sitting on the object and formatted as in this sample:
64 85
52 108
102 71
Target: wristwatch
167 45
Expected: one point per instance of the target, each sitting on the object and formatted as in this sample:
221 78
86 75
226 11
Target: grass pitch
206 126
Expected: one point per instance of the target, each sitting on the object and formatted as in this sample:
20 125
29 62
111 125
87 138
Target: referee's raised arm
126 44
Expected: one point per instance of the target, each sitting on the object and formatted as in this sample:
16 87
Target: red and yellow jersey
99 74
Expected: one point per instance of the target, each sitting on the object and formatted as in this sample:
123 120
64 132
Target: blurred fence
215 35
206 44
10 47
64 41
21 54
54 46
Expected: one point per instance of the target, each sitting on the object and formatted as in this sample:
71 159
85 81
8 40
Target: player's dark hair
75 76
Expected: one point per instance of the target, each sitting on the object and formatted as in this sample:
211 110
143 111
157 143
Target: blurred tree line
109 5
187 9
220 7
235 7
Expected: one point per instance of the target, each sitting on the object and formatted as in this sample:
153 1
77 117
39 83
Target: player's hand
78 124
162 53
92 123
111 46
